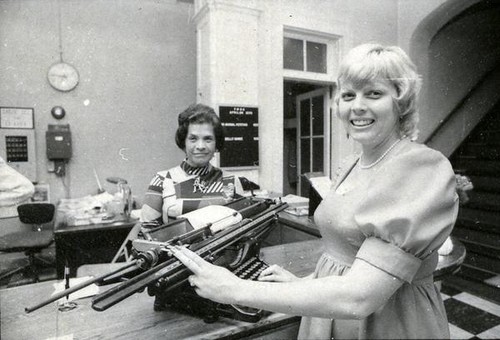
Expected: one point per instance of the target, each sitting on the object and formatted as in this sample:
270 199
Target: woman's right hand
275 273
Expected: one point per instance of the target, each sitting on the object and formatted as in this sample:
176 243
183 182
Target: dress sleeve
408 211
14 187
153 199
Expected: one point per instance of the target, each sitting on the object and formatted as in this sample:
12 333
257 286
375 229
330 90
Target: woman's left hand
209 281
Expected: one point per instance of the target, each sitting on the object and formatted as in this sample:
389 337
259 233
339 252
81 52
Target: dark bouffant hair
198 114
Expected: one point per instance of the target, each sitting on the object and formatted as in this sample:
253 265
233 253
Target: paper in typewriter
219 216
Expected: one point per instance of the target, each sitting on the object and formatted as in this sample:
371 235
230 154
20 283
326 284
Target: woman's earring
347 135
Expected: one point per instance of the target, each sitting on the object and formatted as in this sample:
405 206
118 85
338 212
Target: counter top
134 318
113 224
303 223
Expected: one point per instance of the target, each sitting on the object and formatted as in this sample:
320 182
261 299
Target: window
312 56
316 57
293 54
304 55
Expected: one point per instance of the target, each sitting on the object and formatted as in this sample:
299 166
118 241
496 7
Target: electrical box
17 140
58 138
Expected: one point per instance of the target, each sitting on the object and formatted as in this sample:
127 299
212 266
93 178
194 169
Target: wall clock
63 76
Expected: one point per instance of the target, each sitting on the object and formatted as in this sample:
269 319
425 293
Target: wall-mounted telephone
59 150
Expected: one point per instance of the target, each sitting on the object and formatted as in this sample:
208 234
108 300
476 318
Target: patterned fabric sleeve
174 192
408 211
153 200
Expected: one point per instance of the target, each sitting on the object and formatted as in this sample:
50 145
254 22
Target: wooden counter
134 318
302 223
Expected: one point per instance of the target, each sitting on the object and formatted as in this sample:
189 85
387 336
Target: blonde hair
370 61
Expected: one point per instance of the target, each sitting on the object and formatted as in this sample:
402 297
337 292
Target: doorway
306 133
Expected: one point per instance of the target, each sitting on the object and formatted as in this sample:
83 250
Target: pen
66 279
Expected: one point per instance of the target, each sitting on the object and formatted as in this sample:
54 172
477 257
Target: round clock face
63 77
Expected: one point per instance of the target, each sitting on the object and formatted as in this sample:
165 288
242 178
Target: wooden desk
134 318
86 244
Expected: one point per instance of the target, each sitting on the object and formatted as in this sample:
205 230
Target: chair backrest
36 213
124 251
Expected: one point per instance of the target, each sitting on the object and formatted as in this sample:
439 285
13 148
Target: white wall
136 60
232 23
140 65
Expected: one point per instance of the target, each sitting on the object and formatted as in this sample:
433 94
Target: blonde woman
382 222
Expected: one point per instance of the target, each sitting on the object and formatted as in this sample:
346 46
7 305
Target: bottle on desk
121 205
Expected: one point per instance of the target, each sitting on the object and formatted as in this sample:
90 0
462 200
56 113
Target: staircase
478 224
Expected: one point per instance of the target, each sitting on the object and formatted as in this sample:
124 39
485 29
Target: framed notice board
241 143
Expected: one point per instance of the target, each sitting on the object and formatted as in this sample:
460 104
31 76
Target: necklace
380 158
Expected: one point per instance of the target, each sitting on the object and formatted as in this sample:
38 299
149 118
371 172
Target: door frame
327 104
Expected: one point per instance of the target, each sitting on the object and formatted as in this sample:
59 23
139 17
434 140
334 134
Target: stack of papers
295 201
84 210
297 205
219 217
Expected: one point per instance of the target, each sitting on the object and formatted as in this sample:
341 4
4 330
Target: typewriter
185 300
228 236
242 259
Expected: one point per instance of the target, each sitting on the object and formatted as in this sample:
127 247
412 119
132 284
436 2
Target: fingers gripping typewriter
228 236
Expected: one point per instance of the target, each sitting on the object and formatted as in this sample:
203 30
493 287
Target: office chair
31 242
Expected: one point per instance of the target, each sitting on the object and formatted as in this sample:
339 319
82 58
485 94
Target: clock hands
63 77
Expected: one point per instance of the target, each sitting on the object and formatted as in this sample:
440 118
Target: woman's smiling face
200 144
367 111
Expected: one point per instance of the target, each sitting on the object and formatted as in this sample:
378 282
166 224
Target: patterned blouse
184 188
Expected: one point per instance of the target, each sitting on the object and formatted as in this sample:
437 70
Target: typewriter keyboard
251 269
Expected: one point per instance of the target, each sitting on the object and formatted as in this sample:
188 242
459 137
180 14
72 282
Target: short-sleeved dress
395 218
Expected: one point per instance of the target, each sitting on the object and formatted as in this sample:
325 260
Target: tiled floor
470 316
493 281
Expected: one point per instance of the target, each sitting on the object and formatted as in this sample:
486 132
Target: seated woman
194 183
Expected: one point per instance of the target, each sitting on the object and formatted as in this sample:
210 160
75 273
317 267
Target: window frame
332 43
